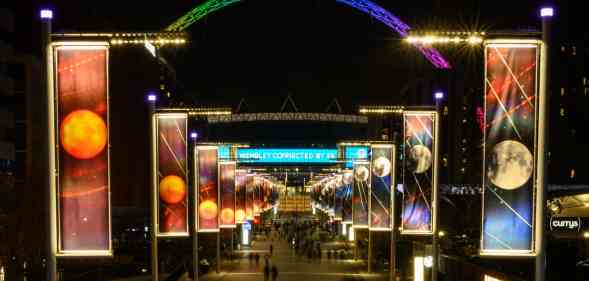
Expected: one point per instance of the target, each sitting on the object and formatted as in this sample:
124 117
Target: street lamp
439 95
546 12
194 136
46 14
151 97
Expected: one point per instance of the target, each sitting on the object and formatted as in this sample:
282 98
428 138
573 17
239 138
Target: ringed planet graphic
381 167
422 158
83 134
511 165
362 173
227 216
208 210
172 189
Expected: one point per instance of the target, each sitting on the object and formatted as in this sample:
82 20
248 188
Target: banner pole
154 240
543 127
49 150
435 249
369 251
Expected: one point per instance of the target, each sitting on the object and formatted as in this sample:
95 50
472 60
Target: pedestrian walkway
290 266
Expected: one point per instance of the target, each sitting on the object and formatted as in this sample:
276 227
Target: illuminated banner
355 152
227 183
419 172
510 148
81 137
339 198
249 197
381 187
360 195
207 173
240 196
287 155
347 181
171 177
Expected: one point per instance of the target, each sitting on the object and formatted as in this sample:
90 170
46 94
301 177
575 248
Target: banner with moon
207 202
240 196
509 148
81 136
347 189
227 174
381 187
172 188
419 172
360 194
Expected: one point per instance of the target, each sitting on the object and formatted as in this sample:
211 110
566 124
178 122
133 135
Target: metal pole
49 150
393 261
393 244
543 126
218 267
435 250
195 254
369 251
154 207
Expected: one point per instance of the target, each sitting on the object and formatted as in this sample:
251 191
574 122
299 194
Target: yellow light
441 233
586 234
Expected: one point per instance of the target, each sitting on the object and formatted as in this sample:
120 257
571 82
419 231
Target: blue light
46 14
287 155
439 95
224 151
355 153
194 135
547 12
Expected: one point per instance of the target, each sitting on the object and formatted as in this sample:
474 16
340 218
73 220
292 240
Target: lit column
46 16
151 102
546 14
194 137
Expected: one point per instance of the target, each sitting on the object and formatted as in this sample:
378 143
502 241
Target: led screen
418 172
172 187
227 174
82 136
509 148
380 188
287 155
360 194
208 189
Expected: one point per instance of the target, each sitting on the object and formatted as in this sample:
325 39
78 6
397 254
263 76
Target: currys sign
565 224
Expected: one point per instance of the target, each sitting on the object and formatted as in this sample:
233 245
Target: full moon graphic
422 158
172 189
208 210
83 134
511 165
381 167
362 173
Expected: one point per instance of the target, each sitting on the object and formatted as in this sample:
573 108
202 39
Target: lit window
463 170
573 173
584 81
562 48
562 112
574 50
463 121
562 91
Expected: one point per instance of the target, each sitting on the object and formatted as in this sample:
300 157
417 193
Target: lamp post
546 14
194 137
151 101
438 97
46 16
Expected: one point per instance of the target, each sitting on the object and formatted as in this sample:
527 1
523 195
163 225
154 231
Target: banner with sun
207 197
80 76
419 172
171 174
380 192
360 194
240 176
227 175
511 86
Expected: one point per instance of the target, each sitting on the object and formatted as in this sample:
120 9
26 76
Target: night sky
262 50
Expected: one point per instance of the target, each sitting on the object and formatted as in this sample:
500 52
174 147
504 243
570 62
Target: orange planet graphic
83 134
227 216
172 189
208 210
240 215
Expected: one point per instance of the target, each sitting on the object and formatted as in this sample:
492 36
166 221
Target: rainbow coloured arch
365 6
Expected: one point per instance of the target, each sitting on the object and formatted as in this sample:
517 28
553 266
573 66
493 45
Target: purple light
438 95
151 97
546 12
194 135
46 14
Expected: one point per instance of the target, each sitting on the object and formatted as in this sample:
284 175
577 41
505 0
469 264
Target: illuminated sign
352 153
565 224
225 151
287 155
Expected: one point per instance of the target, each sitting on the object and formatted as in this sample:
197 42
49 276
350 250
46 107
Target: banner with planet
240 196
172 187
82 161
207 172
380 192
360 194
347 189
249 197
227 174
509 148
419 190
